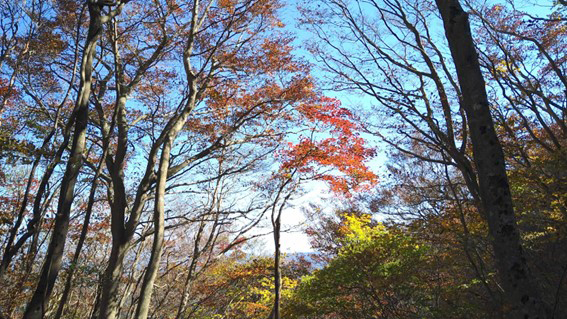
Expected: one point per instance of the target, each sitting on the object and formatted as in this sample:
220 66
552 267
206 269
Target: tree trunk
122 232
522 299
82 237
196 253
53 260
276 224
277 270
109 299
159 209
8 253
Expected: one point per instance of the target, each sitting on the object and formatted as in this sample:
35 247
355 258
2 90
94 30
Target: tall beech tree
208 29
53 260
530 122
389 51
523 298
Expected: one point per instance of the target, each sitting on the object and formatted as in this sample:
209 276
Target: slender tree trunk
159 209
32 227
196 253
53 260
8 253
277 270
11 248
109 303
82 237
94 309
122 232
521 293
276 224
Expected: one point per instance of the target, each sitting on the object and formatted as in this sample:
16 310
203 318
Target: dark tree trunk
276 224
109 301
277 270
522 299
82 237
53 260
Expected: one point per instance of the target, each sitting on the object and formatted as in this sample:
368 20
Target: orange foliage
344 151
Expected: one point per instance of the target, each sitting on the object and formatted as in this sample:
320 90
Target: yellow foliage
357 227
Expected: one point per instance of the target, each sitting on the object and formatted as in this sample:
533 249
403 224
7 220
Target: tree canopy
150 149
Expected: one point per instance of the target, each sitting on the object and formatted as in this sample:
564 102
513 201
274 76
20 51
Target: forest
154 153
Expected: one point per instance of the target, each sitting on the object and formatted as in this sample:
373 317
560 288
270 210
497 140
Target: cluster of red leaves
329 112
344 151
7 92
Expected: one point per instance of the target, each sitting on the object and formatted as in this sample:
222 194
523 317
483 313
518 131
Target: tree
37 305
375 274
520 290
313 159
396 59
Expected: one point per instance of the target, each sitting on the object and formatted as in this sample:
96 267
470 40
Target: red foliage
343 150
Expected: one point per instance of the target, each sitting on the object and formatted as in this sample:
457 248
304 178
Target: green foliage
376 274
